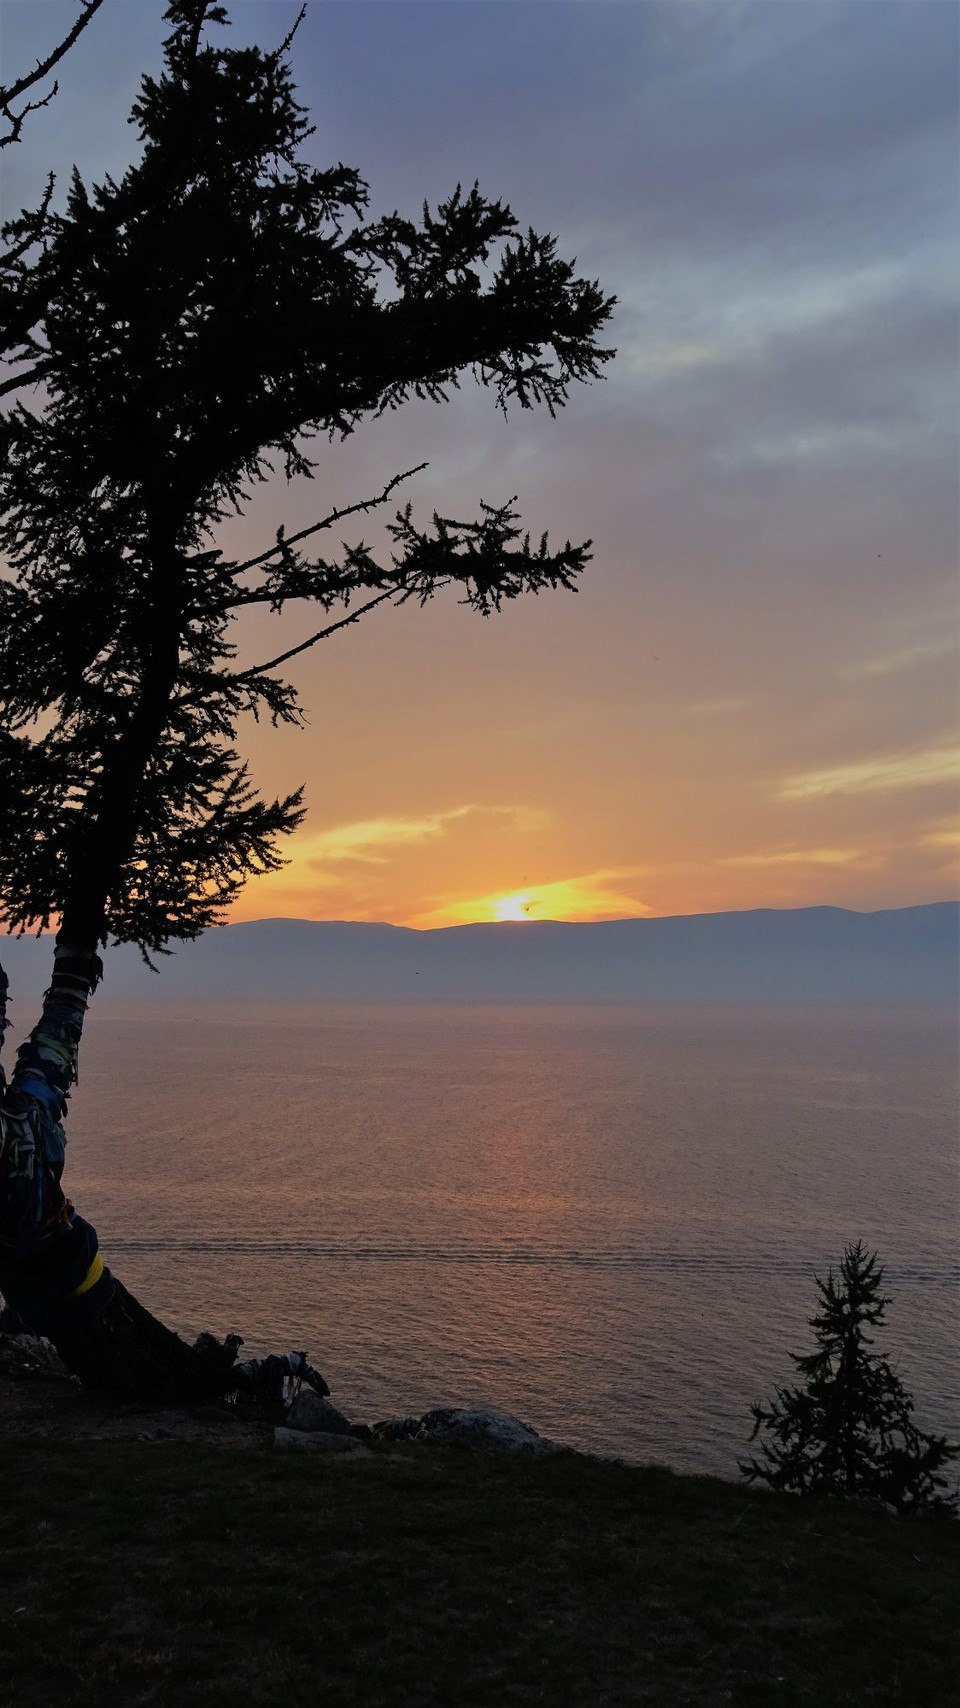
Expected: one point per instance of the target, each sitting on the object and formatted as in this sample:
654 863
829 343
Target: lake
604 1219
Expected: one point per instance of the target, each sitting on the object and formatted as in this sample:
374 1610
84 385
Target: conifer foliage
170 337
849 1429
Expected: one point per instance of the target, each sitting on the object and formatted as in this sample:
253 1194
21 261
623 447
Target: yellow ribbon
92 1276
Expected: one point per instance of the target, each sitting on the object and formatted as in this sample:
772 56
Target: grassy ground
184 1574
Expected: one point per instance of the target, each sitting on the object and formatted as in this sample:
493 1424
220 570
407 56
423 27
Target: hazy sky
753 698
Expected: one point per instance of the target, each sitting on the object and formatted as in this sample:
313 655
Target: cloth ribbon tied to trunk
51 1271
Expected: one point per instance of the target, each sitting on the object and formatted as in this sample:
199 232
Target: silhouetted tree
849 1429
221 305
224 304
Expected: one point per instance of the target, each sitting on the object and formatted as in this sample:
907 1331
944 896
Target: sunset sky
752 700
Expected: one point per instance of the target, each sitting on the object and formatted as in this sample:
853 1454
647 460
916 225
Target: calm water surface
604 1219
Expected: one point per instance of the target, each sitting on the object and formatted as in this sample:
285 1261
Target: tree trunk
100 1330
108 821
51 1270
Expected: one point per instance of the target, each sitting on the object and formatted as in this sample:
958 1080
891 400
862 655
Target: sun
512 908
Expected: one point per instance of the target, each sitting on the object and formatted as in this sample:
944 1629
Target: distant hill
811 954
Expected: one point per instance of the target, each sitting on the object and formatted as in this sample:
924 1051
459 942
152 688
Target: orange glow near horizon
575 900
652 789
515 908
639 796
426 878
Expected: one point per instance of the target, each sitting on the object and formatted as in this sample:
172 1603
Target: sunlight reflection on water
604 1219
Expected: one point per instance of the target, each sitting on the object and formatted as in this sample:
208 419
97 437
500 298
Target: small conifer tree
849 1429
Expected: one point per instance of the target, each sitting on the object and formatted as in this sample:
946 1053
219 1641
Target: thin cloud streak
946 836
805 857
936 765
902 658
721 708
372 841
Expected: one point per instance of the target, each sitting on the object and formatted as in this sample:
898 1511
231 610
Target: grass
151 1574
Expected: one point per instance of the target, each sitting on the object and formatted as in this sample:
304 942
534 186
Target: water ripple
475 1256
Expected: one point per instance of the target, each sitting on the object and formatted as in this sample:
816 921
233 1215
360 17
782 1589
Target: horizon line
522 924
618 919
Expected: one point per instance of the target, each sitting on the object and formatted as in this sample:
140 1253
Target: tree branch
321 634
32 224
36 76
17 380
285 540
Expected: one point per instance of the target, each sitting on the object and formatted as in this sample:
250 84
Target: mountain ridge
811 954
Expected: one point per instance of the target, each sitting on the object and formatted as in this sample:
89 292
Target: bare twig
16 119
37 75
321 634
288 38
327 522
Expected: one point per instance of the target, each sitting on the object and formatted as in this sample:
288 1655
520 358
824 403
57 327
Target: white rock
479 1428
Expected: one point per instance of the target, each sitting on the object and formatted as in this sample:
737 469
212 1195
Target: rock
476 1428
30 1355
308 1412
318 1440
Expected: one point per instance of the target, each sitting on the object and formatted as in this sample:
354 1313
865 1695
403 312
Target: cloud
734 318
721 708
895 771
944 835
662 359
368 839
805 857
817 444
902 658
372 840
